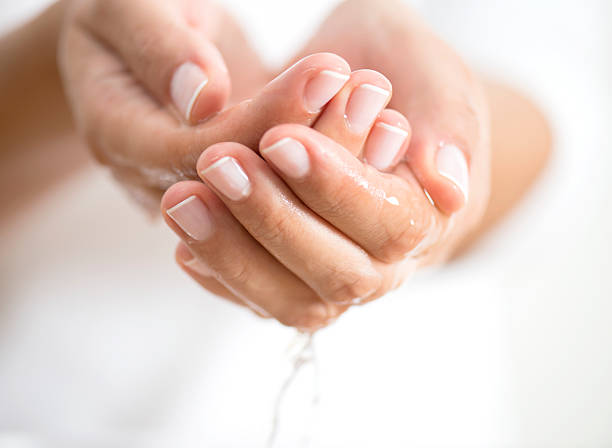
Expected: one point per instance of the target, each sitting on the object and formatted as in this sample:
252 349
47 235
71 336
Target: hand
138 72
314 229
442 99
346 233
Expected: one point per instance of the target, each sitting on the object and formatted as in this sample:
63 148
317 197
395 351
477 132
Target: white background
103 342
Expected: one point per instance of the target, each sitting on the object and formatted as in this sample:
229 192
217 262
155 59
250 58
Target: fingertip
443 172
350 115
190 263
215 94
307 86
188 209
446 196
319 61
281 131
209 100
374 78
182 254
177 193
388 140
201 87
216 152
331 73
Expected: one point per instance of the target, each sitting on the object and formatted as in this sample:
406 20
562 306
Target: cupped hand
314 227
303 244
441 97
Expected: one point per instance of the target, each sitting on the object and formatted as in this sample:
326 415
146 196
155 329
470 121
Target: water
301 355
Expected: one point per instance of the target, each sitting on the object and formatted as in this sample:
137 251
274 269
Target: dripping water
301 354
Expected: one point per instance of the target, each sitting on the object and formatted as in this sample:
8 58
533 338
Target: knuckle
399 243
353 287
400 240
273 227
337 200
235 272
331 207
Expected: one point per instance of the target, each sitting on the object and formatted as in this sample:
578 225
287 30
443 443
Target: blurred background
104 342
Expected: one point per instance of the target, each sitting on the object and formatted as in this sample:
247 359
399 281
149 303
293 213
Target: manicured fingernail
366 102
198 266
193 217
451 163
289 156
227 176
187 83
384 142
322 88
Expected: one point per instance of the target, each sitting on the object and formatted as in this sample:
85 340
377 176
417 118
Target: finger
105 97
298 95
202 274
174 60
332 265
388 215
387 141
442 169
347 119
447 134
238 262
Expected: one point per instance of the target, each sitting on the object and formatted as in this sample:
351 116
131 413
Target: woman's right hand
138 73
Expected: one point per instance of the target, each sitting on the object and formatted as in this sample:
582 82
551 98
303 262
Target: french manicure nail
384 142
192 216
289 156
366 102
451 163
227 176
187 83
198 266
322 88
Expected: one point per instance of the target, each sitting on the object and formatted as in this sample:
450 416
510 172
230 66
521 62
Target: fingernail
198 266
384 142
451 163
322 88
187 83
192 217
227 176
366 102
289 156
